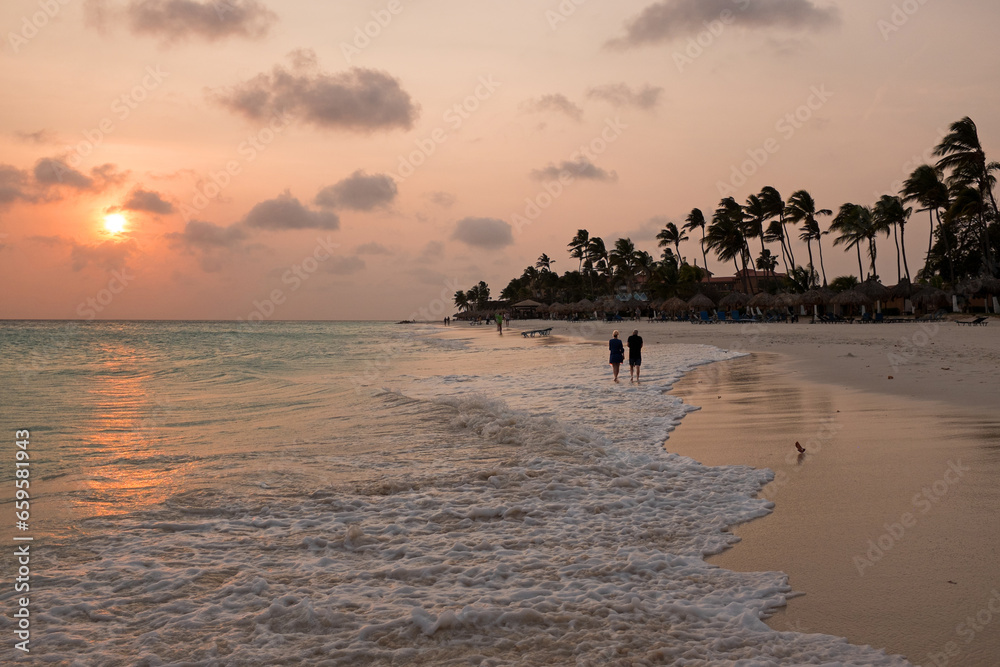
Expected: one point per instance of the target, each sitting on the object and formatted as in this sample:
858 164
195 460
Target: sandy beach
888 524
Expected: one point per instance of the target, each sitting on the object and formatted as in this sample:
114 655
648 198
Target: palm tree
579 246
755 213
598 254
961 151
802 208
890 212
725 237
774 206
850 226
730 210
625 260
926 187
696 220
461 300
544 263
670 234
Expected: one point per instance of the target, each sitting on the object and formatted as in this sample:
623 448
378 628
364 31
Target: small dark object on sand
802 450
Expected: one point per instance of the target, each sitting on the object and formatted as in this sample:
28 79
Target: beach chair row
540 332
733 317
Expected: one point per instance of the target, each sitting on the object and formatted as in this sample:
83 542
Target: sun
114 223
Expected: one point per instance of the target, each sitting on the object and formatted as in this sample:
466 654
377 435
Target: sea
370 493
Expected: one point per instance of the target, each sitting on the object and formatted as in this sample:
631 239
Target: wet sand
888 523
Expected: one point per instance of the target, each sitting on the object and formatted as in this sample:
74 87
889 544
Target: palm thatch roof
789 300
851 297
930 297
903 290
674 305
700 301
734 300
874 290
814 297
585 304
764 300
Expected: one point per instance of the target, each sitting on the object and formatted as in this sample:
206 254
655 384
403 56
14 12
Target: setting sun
114 223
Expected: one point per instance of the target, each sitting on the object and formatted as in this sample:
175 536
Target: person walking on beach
617 353
634 355
499 319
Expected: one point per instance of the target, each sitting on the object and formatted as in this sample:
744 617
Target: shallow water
333 493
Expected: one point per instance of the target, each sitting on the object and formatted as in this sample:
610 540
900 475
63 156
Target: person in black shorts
634 355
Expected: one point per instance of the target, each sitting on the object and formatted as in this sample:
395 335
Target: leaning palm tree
725 237
774 205
579 246
623 259
756 214
961 152
926 187
802 208
696 220
850 227
671 235
461 300
890 212
544 263
731 210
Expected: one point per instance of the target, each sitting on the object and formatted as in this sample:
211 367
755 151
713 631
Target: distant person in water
634 355
617 353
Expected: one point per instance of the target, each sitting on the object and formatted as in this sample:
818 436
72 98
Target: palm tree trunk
809 247
819 244
872 252
899 268
930 241
902 243
704 254
947 247
861 268
791 255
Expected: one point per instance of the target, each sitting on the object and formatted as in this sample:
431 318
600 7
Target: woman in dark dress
617 353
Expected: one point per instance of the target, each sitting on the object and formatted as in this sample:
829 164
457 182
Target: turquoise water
372 494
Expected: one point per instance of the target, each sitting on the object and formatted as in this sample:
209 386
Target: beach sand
888 524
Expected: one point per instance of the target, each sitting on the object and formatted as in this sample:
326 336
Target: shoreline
885 441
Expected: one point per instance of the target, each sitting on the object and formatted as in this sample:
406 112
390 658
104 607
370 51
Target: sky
257 160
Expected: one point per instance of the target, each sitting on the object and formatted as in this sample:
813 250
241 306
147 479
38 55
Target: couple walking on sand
634 354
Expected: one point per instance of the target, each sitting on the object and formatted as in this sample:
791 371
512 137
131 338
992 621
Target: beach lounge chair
704 318
540 332
978 322
720 316
866 318
734 316
879 318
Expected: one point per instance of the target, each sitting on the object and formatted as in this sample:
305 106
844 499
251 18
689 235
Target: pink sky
267 160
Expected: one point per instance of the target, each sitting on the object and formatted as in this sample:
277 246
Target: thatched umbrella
674 305
789 300
585 305
874 290
700 302
931 297
764 300
903 290
734 300
813 297
609 304
851 297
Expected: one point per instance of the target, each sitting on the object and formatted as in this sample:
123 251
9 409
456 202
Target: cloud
363 100
674 19
49 171
358 192
620 95
553 102
442 199
108 254
372 249
179 20
433 251
287 212
581 168
55 172
13 184
489 233
343 266
148 201
207 235
39 137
